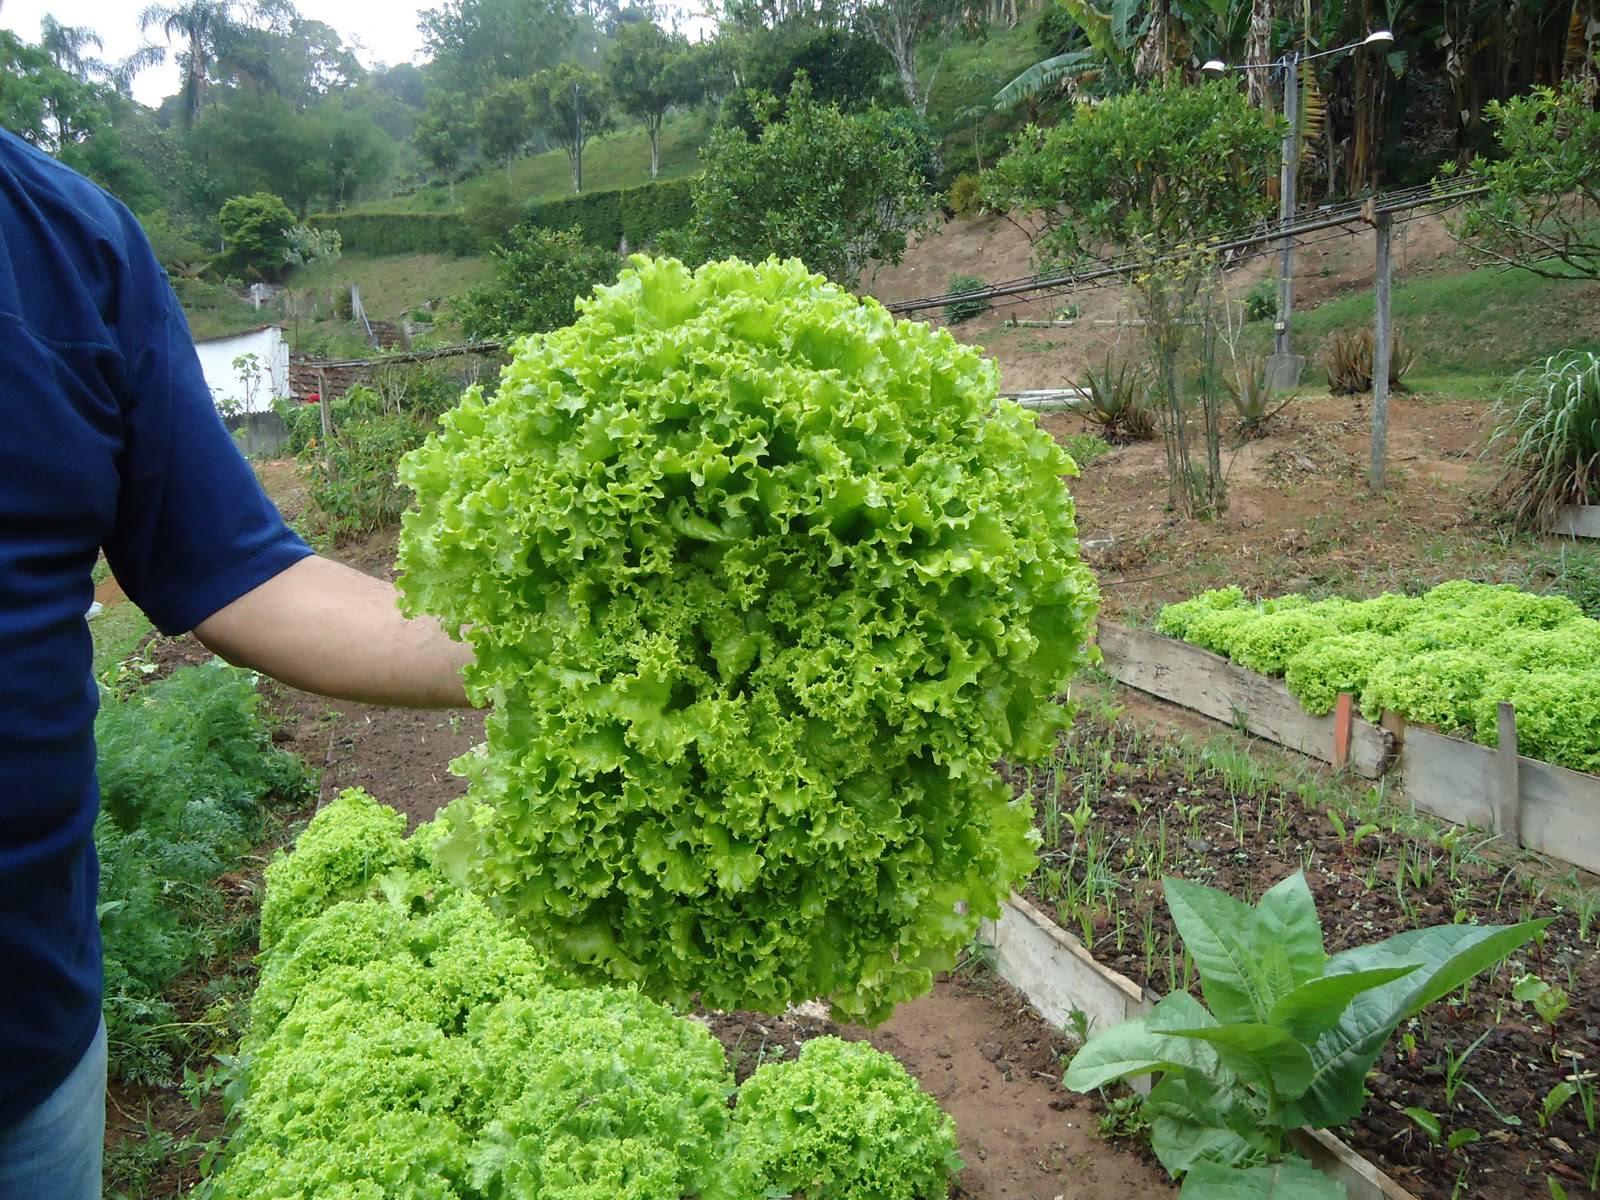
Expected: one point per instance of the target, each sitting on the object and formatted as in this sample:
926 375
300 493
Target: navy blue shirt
109 438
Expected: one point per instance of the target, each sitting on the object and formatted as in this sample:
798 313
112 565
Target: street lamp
1284 368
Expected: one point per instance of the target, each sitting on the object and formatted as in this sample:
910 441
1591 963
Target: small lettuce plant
1284 1039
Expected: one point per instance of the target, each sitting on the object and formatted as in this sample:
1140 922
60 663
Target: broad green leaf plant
761 584
1284 1039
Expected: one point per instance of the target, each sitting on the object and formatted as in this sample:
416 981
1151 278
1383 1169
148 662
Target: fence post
1343 718
327 421
1382 342
1508 806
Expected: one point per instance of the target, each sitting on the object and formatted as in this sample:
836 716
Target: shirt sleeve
194 531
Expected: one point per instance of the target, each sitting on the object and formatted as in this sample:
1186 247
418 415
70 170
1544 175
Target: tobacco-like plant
1284 1039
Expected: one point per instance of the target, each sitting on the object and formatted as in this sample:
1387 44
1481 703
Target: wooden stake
1382 341
327 421
1342 717
1508 803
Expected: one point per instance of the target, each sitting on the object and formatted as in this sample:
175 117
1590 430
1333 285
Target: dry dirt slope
1300 515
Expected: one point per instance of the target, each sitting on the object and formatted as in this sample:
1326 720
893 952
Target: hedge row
399 233
603 218
606 218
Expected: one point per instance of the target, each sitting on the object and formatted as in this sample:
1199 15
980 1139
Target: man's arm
327 628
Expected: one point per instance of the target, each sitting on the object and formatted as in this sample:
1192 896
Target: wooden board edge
1577 520
1370 749
1362 1179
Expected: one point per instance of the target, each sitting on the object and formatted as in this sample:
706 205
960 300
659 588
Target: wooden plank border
1577 520
1529 802
1557 811
1057 974
1212 685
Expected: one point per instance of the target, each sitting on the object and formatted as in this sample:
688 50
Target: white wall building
250 387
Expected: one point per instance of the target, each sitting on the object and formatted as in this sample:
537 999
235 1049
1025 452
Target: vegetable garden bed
1119 811
1543 807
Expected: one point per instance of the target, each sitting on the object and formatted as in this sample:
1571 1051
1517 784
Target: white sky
381 31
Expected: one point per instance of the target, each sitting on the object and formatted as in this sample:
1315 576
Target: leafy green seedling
1548 1000
1425 1121
1284 1039
1554 1100
1460 1138
1455 1073
1079 1020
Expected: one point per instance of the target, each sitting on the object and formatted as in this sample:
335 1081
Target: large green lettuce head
761 583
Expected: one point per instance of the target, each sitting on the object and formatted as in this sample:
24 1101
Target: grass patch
621 160
214 310
1474 327
394 284
117 632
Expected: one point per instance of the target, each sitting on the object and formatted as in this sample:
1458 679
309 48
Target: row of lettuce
405 1042
1446 658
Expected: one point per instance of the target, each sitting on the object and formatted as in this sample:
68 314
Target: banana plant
1284 1039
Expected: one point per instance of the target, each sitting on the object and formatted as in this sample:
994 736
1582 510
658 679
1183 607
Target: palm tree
201 23
65 45
122 74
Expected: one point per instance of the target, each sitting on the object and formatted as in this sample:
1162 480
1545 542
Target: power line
1252 240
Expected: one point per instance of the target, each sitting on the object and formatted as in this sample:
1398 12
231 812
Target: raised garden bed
1578 520
1122 810
1531 803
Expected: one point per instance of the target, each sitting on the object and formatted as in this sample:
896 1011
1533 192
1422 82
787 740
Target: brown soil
1299 514
998 250
1151 805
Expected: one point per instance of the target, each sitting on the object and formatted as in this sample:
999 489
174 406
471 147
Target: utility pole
577 139
1382 340
1285 372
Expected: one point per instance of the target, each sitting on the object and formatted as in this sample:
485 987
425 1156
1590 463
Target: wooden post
1508 803
1382 341
1341 731
1396 725
327 421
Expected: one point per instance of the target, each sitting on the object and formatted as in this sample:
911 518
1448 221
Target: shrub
537 278
837 190
958 311
1261 301
703 539
186 767
843 1122
353 481
1117 398
492 211
255 232
1348 360
637 216
398 233
1547 434
965 196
